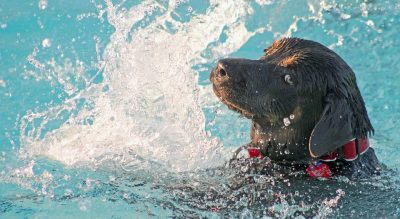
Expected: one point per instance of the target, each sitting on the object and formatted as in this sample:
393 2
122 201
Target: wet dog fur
303 101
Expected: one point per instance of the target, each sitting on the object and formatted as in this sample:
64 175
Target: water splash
148 105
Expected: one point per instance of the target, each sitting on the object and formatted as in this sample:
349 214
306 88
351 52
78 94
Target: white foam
152 109
264 2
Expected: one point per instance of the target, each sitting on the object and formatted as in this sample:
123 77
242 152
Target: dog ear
333 128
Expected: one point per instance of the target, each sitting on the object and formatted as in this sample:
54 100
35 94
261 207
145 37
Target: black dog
305 107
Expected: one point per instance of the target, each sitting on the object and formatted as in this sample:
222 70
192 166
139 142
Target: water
107 111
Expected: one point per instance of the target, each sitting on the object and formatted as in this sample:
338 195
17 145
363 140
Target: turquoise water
106 109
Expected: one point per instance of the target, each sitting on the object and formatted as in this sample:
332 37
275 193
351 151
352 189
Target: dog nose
230 69
220 71
233 70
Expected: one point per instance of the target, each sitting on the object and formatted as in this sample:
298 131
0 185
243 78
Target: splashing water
151 107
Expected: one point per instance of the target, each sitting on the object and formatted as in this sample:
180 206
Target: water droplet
386 106
42 4
244 169
370 23
345 16
291 116
364 10
46 43
2 83
286 121
126 196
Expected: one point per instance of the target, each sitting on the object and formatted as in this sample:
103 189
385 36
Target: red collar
348 151
320 169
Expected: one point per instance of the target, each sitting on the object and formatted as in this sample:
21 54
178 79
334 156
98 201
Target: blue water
106 110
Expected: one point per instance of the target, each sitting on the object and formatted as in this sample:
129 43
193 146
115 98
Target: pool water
106 110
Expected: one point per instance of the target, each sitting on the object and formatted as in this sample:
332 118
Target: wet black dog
305 106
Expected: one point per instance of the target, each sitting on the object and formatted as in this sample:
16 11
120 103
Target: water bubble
286 151
190 9
364 10
42 4
46 43
340 192
47 175
291 116
218 111
386 106
345 16
126 196
370 23
286 121
3 26
68 192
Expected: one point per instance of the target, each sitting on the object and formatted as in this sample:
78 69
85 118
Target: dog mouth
230 92
225 93
231 98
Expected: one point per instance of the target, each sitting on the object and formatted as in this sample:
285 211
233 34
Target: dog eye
288 79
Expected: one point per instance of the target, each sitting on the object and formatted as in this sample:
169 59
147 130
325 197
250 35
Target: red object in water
254 152
319 170
215 209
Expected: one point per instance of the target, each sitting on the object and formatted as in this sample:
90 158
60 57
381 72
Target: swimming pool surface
106 110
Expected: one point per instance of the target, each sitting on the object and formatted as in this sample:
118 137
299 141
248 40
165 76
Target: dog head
300 82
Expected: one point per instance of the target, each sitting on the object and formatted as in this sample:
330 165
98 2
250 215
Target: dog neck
283 138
